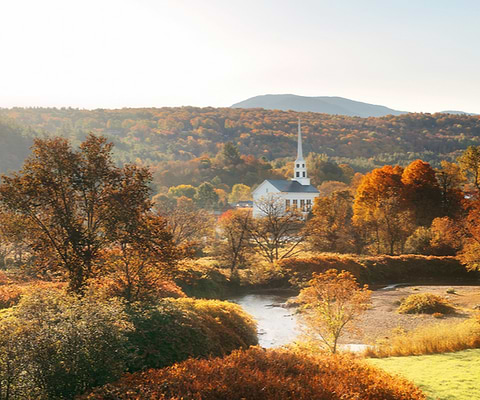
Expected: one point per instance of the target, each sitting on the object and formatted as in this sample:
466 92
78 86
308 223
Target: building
296 193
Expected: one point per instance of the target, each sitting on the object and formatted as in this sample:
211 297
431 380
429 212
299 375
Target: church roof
292 186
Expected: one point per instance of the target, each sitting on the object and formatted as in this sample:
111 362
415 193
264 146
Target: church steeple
300 167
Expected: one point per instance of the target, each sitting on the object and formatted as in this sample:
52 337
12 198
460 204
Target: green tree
230 154
206 197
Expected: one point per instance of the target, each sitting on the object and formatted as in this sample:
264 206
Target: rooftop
292 186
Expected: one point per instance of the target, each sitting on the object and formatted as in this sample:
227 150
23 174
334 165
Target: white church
296 193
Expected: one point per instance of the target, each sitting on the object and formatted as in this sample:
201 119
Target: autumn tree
277 232
381 209
141 255
330 228
71 199
332 302
450 180
188 224
469 163
470 253
422 192
446 236
14 241
235 226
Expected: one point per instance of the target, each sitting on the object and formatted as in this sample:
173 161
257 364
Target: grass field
449 376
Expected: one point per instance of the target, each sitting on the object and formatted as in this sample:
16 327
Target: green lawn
442 376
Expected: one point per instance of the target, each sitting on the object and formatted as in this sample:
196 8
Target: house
296 193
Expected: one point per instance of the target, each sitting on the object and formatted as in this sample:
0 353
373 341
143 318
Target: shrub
107 287
201 281
174 330
425 303
54 345
262 374
11 294
432 339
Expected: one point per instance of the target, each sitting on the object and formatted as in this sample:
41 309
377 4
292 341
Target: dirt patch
382 318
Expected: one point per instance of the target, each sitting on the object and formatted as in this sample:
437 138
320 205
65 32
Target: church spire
300 167
299 142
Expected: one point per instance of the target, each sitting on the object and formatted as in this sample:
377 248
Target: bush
10 294
425 303
177 329
54 345
262 374
432 339
202 281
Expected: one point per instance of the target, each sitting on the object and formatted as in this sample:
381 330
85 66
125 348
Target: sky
410 55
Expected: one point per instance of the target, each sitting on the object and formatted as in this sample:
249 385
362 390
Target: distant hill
455 112
320 104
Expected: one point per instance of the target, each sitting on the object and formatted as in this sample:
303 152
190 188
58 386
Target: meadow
440 376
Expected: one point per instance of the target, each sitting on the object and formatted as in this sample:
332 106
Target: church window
298 174
303 165
304 174
302 204
287 204
309 205
298 165
294 203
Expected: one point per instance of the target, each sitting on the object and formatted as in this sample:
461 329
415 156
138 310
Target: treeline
153 135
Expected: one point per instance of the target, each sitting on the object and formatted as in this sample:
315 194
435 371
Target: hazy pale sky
410 55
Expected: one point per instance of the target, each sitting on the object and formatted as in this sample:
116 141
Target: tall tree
469 163
422 192
381 209
330 228
188 224
72 200
206 197
450 180
278 232
235 226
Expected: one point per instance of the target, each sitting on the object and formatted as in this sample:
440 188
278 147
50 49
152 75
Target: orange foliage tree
71 200
332 301
381 209
422 192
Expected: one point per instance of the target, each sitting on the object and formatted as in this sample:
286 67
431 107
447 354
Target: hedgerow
376 270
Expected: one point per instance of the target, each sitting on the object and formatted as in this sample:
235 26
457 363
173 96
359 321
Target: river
277 325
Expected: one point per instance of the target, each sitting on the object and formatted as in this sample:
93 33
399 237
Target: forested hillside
185 133
15 143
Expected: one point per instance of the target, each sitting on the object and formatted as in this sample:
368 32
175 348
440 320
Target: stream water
277 325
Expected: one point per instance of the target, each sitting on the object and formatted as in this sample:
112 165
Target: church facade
296 193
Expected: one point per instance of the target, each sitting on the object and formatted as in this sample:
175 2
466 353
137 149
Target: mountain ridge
322 104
